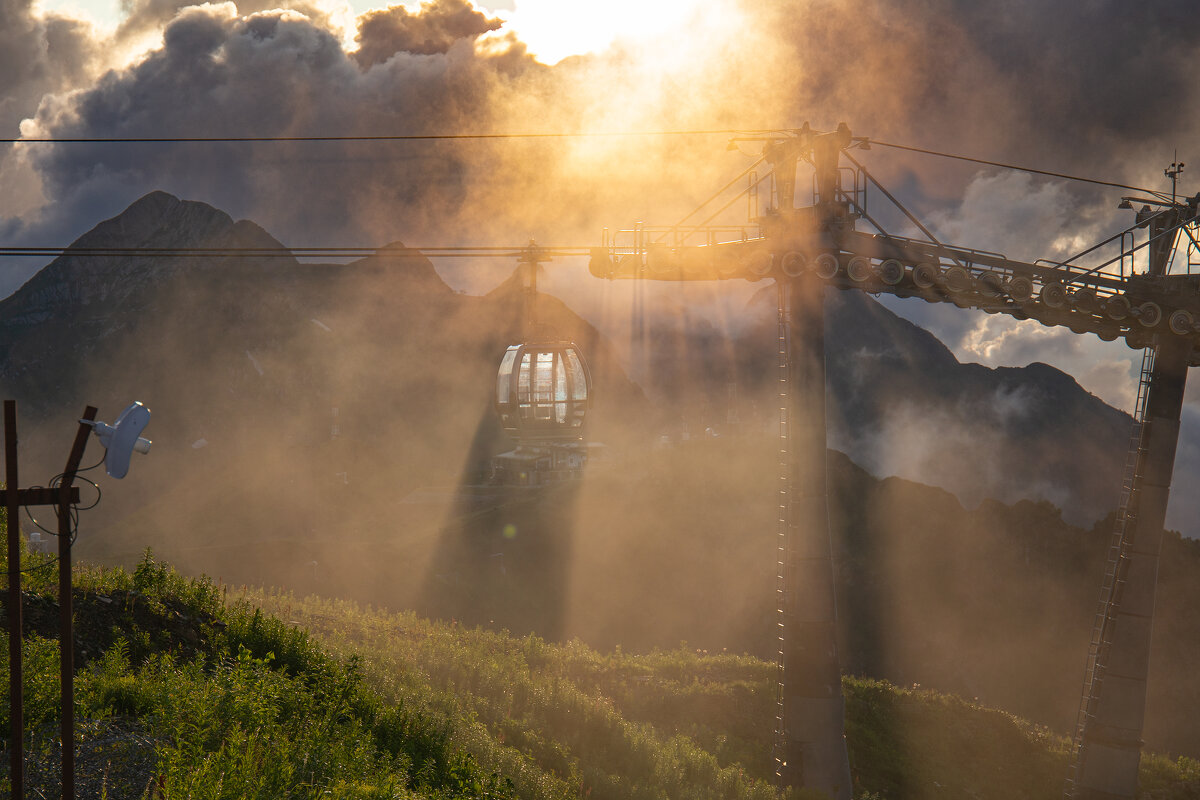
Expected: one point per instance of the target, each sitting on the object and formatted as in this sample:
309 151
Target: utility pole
64 496
12 505
65 607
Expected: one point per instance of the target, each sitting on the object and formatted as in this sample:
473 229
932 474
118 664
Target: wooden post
66 633
16 681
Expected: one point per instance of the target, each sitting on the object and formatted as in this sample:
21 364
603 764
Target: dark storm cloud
1102 87
1103 72
1098 88
142 16
433 29
278 73
39 54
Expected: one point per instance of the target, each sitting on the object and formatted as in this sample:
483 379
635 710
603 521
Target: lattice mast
807 249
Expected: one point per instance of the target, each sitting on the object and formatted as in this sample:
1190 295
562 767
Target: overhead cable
415 137
293 252
1002 165
542 135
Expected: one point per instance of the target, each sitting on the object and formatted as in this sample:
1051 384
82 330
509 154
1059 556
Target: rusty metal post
1111 745
16 672
814 741
65 610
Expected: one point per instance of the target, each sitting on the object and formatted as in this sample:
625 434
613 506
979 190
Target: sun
556 29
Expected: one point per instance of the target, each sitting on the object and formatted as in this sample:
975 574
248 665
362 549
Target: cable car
543 392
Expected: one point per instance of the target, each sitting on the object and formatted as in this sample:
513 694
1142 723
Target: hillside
299 401
995 602
326 429
678 545
899 403
257 358
185 695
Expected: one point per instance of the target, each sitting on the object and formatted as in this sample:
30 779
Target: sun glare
556 29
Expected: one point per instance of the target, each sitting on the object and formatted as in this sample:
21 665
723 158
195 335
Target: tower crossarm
1134 285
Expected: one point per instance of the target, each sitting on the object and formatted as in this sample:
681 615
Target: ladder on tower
1114 573
781 584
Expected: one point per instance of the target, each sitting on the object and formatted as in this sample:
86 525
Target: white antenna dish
122 438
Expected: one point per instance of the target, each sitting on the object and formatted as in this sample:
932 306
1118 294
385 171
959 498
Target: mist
329 428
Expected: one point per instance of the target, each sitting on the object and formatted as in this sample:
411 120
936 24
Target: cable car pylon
810 248
812 743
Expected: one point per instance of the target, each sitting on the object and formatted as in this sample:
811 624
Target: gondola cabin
543 393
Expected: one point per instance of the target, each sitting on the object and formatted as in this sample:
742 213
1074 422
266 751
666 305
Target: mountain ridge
297 405
901 403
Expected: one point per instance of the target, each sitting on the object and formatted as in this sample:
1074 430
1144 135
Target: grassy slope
237 700
904 742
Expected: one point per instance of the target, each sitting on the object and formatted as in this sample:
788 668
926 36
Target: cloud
1108 370
217 70
1013 214
947 74
963 77
151 16
1029 219
39 54
433 29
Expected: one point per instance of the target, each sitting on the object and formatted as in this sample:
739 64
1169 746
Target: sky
1102 88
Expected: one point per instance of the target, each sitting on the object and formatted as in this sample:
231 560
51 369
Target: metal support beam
814 741
16 769
1111 745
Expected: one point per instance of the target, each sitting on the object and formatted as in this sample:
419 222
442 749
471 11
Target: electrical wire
1002 165
74 508
416 137
73 524
460 251
484 251
93 466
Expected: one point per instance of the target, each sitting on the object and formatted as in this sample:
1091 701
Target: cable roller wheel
958 280
990 284
926 275
759 263
891 272
1149 314
1117 307
825 266
1181 322
859 269
630 264
659 259
1019 288
1054 295
727 267
793 263
1085 300
601 263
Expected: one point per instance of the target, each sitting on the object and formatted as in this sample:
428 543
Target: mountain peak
412 265
158 219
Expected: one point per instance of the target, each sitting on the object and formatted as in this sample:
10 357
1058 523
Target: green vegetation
184 692
243 707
